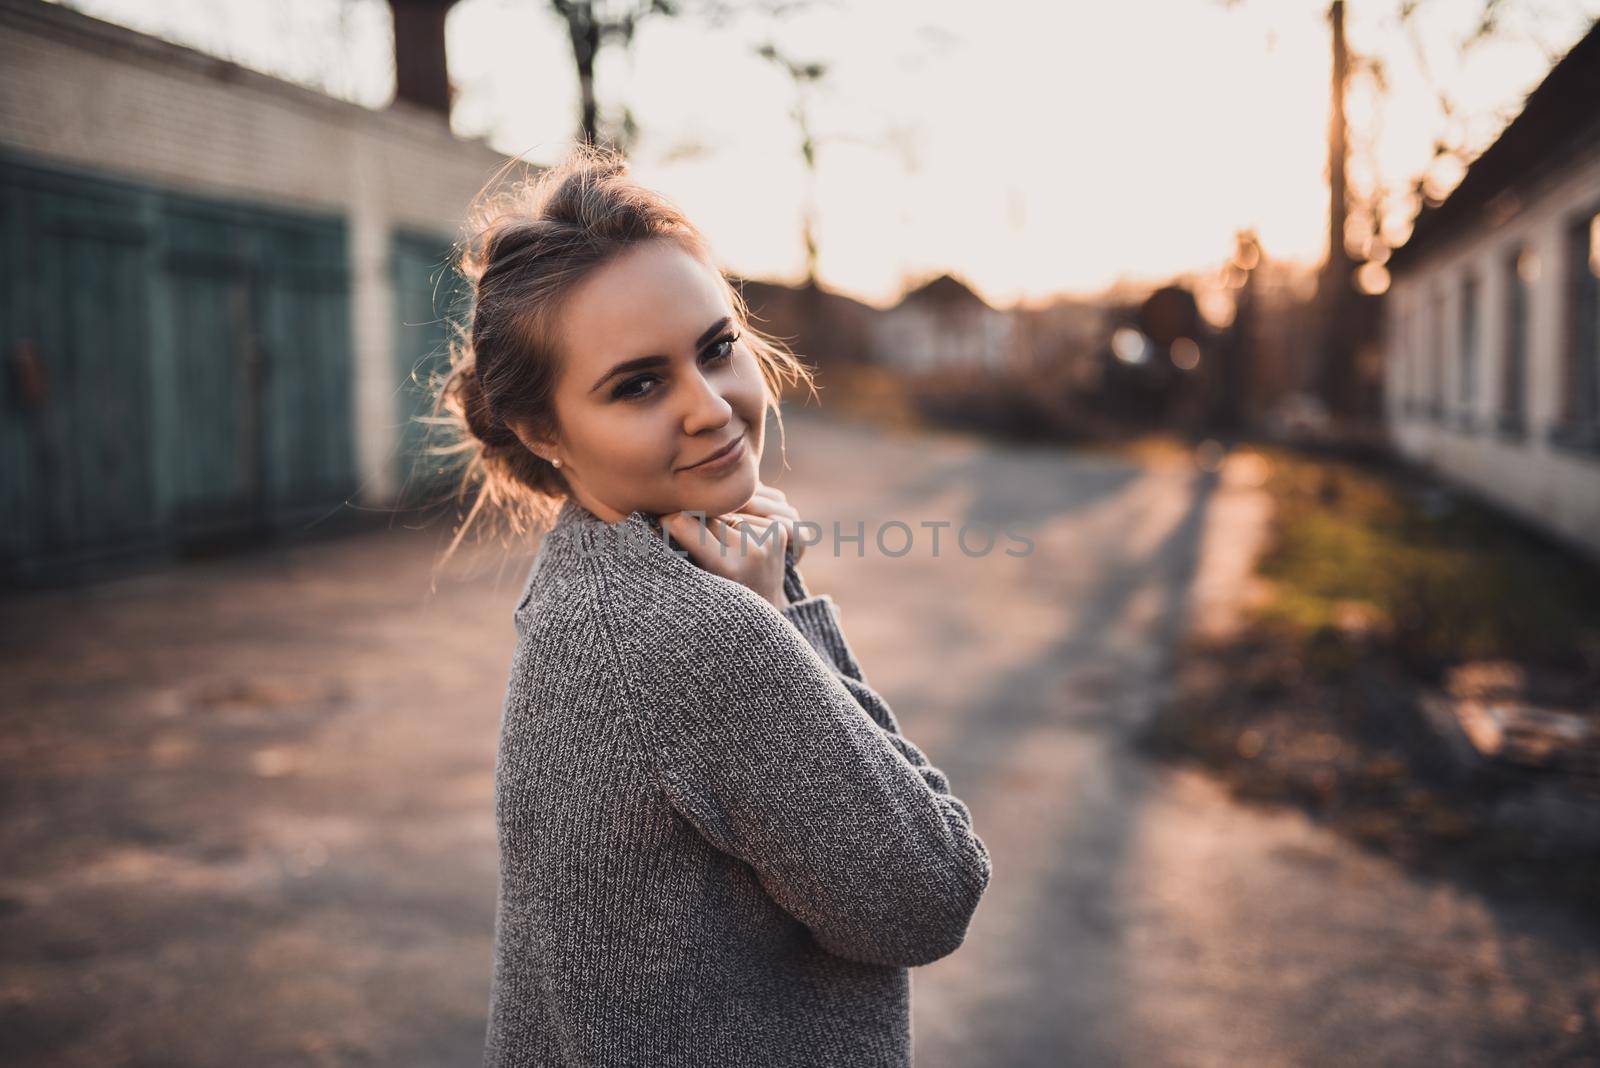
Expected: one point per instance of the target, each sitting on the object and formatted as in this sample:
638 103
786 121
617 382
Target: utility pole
1340 264
1335 356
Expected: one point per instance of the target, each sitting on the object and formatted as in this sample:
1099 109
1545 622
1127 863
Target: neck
601 510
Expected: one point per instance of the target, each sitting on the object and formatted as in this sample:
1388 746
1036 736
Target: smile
721 459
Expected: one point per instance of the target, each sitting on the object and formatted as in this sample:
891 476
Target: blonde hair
528 246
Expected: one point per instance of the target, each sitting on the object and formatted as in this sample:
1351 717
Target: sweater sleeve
816 617
759 745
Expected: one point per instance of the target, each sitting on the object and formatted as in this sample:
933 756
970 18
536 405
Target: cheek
751 404
622 439
750 389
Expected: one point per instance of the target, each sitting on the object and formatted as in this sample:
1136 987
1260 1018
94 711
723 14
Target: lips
720 454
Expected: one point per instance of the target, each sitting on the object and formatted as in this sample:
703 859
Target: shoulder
676 628
664 624
682 604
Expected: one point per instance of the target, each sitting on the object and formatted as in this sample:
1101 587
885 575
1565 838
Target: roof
1559 120
947 291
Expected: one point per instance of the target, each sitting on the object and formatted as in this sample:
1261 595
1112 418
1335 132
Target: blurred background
1275 325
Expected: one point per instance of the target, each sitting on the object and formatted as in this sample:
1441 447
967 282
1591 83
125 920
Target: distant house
1492 322
823 327
214 285
943 324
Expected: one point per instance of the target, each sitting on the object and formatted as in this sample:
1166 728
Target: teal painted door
429 298
179 369
76 435
261 358
213 449
302 339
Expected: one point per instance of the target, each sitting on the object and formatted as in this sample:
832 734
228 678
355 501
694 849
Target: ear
543 446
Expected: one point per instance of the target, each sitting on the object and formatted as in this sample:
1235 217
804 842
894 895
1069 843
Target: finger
758 503
722 530
773 508
784 509
760 526
774 496
766 497
745 521
788 520
757 530
698 537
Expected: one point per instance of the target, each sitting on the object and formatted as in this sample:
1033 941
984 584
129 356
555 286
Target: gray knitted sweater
716 847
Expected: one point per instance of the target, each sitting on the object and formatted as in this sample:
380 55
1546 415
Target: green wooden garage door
179 369
429 296
77 432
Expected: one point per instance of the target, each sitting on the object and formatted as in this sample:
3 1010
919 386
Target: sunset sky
1032 148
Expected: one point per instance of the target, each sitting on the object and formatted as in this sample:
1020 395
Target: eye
723 347
720 351
625 391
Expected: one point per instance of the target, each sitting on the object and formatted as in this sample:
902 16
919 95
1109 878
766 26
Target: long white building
1493 317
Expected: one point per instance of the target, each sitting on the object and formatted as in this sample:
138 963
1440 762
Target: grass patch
1436 579
1378 581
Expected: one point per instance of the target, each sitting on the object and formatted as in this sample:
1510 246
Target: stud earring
556 461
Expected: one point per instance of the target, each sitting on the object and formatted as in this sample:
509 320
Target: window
1419 358
1414 350
1394 338
1521 269
1436 357
1467 338
1580 400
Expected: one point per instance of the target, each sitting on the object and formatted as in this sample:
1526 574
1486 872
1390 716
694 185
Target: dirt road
247 802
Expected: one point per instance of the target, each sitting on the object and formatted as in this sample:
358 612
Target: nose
707 408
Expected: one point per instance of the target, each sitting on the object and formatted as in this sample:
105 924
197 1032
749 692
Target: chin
730 493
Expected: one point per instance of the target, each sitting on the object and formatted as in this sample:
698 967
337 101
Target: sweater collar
577 526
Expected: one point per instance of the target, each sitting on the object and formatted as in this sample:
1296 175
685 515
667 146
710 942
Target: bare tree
805 75
592 24
1363 218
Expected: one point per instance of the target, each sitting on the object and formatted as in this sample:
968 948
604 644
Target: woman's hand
748 549
769 502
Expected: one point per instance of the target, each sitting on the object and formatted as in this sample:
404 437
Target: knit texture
716 845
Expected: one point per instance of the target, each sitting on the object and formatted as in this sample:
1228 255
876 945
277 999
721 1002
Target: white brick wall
81 92
1552 486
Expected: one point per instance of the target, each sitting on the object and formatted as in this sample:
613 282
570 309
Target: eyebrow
641 362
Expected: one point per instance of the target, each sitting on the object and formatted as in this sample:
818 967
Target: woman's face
654 381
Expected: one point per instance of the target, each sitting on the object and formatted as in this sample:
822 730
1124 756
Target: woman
716 847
